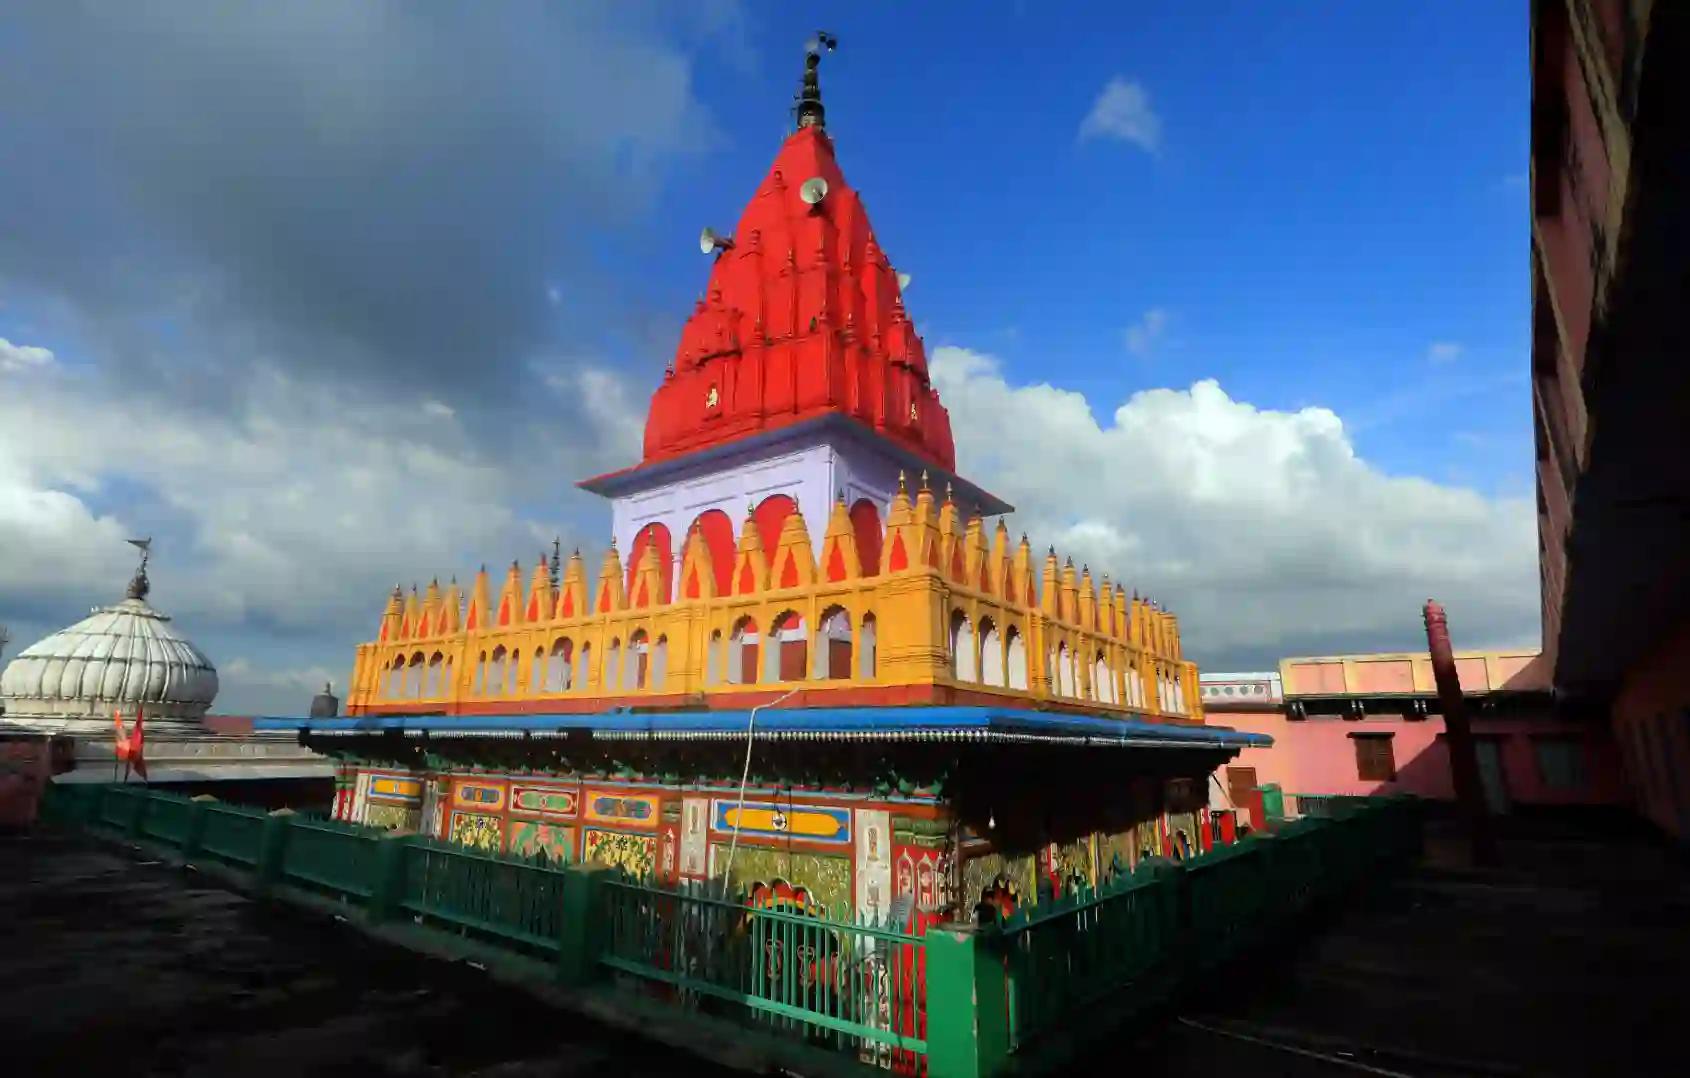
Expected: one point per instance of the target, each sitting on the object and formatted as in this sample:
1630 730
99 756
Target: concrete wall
1317 756
1651 717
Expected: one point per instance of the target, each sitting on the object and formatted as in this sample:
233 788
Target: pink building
1369 724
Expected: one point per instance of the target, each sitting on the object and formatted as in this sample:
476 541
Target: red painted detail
898 559
789 573
933 555
959 567
770 516
640 596
718 533
505 611
835 564
747 580
802 317
474 619
604 599
865 525
569 603
534 607
382 636
1009 589
692 589
655 536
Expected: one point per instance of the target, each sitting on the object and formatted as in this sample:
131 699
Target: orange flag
131 746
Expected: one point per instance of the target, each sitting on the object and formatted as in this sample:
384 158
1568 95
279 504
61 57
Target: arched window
435 686
537 672
393 679
1064 670
963 656
1179 695
991 653
613 666
713 659
557 665
582 676
1100 680
480 675
1016 659
742 653
496 672
511 669
1053 675
659 662
414 676
638 662
865 648
789 653
448 687
833 645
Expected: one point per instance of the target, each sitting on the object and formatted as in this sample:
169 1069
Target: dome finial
139 585
810 111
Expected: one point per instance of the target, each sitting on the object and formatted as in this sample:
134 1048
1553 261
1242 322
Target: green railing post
196 826
583 925
273 848
137 814
967 1020
387 887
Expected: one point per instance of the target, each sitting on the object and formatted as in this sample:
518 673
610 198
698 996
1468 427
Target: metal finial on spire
903 483
809 109
139 585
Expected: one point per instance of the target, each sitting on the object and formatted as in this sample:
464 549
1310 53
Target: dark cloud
381 193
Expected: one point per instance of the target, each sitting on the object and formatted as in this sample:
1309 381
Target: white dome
117 658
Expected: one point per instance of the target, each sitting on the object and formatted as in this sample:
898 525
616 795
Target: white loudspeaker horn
813 190
709 240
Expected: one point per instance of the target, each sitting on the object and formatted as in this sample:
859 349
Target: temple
812 663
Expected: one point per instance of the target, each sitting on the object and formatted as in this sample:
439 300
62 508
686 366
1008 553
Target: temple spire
810 111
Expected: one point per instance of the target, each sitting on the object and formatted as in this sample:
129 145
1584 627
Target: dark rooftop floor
1568 961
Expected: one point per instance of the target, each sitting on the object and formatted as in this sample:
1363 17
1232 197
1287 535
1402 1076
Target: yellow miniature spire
510 597
793 566
840 558
1106 608
411 625
572 593
1050 587
540 602
393 618
451 609
431 609
608 595
480 606
751 568
1085 607
998 560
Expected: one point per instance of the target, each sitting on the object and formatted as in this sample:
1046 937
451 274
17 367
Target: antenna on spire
809 109
557 563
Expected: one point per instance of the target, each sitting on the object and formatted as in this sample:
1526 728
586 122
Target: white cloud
1142 336
1264 529
22 357
1443 351
1122 111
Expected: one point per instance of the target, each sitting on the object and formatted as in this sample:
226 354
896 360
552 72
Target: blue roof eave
852 723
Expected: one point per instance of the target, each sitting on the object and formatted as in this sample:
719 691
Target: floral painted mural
392 817
477 831
634 854
827 879
530 838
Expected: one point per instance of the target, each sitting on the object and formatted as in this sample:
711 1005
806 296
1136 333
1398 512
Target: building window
1560 762
1374 760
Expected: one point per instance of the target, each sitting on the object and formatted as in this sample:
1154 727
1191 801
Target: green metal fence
233 834
331 856
853 987
1062 958
515 901
997 993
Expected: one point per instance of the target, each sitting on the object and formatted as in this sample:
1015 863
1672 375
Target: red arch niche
652 535
718 532
770 517
865 526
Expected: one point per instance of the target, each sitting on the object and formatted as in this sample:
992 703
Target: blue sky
1336 189
1229 299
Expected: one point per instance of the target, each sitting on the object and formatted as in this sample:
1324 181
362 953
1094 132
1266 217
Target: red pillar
1463 763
